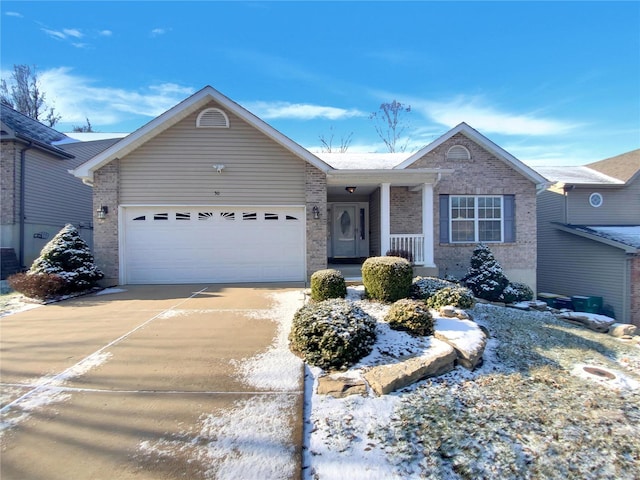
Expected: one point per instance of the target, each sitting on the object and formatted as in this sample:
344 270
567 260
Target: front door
344 230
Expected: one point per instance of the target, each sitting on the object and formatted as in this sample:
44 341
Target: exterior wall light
316 212
102 212
350 189
219 168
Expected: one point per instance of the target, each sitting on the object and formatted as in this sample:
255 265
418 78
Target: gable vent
458 153
212 118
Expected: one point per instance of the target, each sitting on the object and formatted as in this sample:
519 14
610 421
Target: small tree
88 128
327 142
68 256
485 278
24 95
390 124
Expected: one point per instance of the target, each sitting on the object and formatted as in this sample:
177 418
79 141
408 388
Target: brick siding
9 157
316 196
483 174
105 233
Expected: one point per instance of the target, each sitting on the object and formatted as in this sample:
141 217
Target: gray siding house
208 192
38 194
589 233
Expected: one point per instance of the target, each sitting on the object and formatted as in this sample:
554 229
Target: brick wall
9 176
635 290
406 211
484 174
105 233
316 195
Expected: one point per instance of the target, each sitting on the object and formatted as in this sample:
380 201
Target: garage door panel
213 244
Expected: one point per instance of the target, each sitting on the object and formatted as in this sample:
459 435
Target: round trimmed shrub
412 316
517 292
425 287
326 284
457 296
387 278
332 334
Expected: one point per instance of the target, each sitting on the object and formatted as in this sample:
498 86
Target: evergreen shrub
457 296
412 316
387 278
517 292
485 277
332 334
326 284
425 287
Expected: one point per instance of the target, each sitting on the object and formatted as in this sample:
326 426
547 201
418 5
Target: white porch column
385 218
427 224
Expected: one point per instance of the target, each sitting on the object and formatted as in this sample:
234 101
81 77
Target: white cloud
72 32
54 33
487 119
105 33
77 98
300 111
14 14
158 31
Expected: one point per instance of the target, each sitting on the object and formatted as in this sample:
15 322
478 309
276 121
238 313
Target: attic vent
458 153
212 118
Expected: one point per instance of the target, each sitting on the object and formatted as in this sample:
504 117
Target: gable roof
626 237
623 167
83 151
577 175
487 144
17 126
181 111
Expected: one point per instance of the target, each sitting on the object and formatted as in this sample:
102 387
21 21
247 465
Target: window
212 118
476 219
595 199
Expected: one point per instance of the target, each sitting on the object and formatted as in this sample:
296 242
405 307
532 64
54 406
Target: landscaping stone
466 338
622 330
597 323
450 311
340 386
439 359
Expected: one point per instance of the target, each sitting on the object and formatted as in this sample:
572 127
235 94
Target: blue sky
554 83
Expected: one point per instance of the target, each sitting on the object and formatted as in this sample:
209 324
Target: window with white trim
458 153
475 219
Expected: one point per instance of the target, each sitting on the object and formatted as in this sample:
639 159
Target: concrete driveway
153 382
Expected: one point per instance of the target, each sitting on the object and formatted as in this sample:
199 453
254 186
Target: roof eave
607 241
177 113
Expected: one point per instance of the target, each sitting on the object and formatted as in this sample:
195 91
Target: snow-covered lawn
530 411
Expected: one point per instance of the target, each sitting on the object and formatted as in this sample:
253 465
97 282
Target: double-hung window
475 219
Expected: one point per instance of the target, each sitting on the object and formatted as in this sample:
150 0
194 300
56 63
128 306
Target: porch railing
414 244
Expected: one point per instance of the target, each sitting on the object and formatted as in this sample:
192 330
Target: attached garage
212 244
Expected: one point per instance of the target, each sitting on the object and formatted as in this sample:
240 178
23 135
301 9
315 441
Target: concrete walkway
147 384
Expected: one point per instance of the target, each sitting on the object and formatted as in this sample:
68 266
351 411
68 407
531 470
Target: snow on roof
628 235
357 161
90 136
577 175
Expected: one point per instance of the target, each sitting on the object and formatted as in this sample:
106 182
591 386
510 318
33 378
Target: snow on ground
14 303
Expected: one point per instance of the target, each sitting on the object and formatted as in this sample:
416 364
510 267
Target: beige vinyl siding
176 167
621 206
572 265
53 195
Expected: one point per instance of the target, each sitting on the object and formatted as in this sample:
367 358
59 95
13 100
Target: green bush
333 334
41 286
516 292
457 296
412 316
425 287
387 278
68 256
485 277
326 284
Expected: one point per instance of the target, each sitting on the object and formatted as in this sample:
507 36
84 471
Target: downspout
22 203
566 189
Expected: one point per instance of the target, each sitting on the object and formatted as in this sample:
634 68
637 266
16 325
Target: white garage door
213 244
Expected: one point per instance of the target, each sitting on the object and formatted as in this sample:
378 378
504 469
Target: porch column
427 224
385 218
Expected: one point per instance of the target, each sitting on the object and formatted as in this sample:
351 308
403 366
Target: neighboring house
208 192
38 194
589 233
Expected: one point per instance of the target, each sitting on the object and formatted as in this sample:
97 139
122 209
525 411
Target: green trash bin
588 304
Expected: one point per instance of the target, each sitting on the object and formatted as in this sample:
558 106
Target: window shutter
509 218
444 218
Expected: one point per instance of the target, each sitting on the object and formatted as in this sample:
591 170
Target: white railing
414 244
